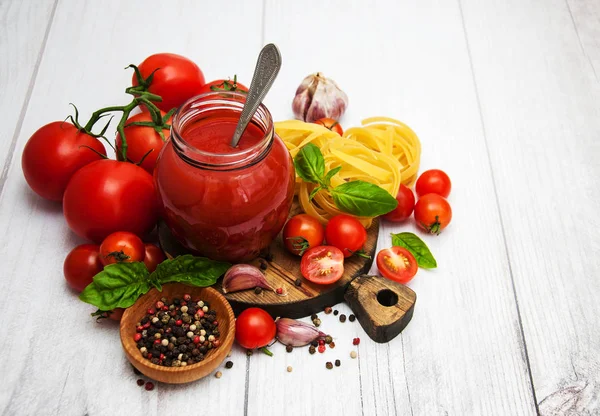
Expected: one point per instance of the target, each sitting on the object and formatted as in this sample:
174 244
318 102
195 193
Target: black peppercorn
140 382
263 265
229 364
335 313
328 339
337 363
314 316
195 352
155 360
183 348
312 349
298 282
136 371
342 318
185 357
176 301
289 348
203 349
249 353
352 318
315 343
328 365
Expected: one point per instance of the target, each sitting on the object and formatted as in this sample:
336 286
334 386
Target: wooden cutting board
382 307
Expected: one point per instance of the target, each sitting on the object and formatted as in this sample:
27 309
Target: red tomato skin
309 265
254 328
116 314
330 124
346 233
121 243
109 196
141 139
404 275
433 181
81 265
219 84
53 154
303 226
176 80
406 205
153 256
430 206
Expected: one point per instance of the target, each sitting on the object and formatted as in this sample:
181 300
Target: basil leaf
363 199
117 286
310 164
417 248
194 271
331 174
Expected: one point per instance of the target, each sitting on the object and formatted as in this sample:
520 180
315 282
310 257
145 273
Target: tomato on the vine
346 233
254 328
108 196
323 265
176 79
406 204
302 232
81 265
433 213
397 263
153 256
121 247
330 124
433 181
143 142
223 85
53 154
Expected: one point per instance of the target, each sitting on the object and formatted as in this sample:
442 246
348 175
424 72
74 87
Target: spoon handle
267 68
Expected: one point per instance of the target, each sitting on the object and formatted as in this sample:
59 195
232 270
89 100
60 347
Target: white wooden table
505 96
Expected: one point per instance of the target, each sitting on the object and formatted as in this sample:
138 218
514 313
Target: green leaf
310 165
314 192
417 248
194 271
117 286
363 199
331 174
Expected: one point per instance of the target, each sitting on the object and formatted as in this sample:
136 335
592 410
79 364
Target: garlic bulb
319 97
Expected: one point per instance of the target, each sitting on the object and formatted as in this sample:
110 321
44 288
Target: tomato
53 154
346 233
176 80
108 196
153 257
143 141
121 247
331 124
301 233
406 204
223 85
397 263
323 265
433 181
81 265
433 213
254 328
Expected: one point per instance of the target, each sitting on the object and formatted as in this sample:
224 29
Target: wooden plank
21 51
586 19
462 353
540 101
58 360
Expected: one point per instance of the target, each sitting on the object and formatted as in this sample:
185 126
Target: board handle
383 307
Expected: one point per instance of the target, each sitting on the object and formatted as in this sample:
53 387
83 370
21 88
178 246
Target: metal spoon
267 68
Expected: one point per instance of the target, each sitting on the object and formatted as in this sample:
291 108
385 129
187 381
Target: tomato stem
265 350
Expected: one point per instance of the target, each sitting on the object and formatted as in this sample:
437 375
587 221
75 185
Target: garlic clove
242 277
295 333
318 97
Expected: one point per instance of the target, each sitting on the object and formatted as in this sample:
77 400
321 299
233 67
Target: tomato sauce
222 202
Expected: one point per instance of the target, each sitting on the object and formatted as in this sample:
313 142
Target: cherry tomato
254 328
108 196
301 233
121 247
53 154
176 80
433 213
143 141
153 257
397 263
323 265
331 124
406 204
346 233
223 85
81 265
433 181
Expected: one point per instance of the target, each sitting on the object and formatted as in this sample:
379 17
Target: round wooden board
282 271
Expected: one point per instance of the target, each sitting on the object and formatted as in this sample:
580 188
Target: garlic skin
242 277
295 333
318 97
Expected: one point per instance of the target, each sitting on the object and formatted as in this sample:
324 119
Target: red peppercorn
321 342
183 303
137 337
196 340
151 311
279 291
216 343
161 357
187 297
146 325
159 304
356 341
165 308
321 348
168 331
157 341
149 386
179 322
215 322
149 355
200 313
139 328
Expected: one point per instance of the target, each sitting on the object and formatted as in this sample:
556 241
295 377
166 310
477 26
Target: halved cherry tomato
153 257
323 265
121 247
397 263
81 265
406 204
433 213
223 85
433 181
330 124
346 233
301 233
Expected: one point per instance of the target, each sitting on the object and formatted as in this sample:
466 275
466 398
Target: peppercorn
321 349
149 386
249 353
328 339
218 374
356 341
263 264
229 364
268 257
314 316
353 354
312 349
342 318
258 290
332 344
314 343
289 348
327 310
328 365
289 368
338 363
335 312
140 382
352 318
317 322
279 291
298 282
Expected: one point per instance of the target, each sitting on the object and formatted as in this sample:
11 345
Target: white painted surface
504 96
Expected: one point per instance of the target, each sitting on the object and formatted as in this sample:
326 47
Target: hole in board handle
387 298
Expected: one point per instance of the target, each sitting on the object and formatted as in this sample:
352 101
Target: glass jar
222 202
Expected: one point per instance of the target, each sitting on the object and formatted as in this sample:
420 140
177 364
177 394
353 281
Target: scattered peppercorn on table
504 99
